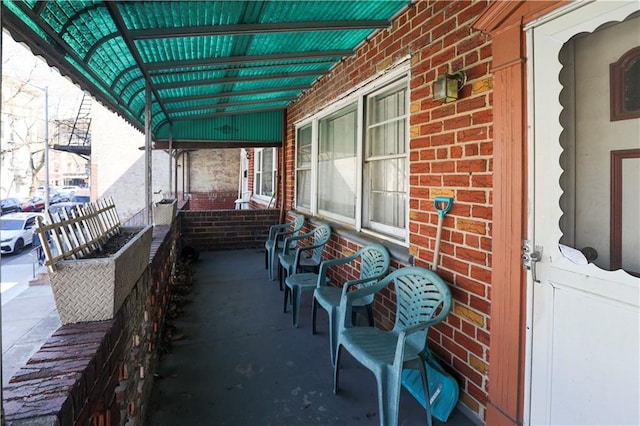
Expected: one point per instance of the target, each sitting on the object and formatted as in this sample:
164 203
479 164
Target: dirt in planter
112 246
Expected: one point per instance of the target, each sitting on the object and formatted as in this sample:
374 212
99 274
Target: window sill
398 252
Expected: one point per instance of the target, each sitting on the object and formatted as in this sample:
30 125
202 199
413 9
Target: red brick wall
99 372
227 229
451 154
218 200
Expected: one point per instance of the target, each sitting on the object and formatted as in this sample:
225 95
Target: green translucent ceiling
217 71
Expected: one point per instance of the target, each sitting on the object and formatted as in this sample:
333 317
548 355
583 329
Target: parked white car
16 231
68 191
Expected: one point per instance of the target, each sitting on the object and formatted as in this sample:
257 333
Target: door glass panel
591 140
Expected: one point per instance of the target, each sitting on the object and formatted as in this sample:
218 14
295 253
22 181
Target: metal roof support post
147 152
171 161
1 348
175 172
46 149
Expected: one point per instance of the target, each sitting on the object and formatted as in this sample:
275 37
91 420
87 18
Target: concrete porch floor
241 362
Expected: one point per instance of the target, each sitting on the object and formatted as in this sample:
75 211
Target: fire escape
79 141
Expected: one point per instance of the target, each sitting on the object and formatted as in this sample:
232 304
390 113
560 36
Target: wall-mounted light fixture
447 86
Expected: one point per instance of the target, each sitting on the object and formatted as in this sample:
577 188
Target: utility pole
46 143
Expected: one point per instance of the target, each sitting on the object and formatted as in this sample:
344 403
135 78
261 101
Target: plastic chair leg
274 266
270 264
425 385
286 296
314 310
333 333
336 369
280 276
296 296
388 395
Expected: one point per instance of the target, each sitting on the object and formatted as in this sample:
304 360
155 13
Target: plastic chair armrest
289 240
325 265
406 332
361 292
352 283
274 229
346 301
299 250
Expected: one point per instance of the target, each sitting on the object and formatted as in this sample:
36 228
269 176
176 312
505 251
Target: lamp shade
447 86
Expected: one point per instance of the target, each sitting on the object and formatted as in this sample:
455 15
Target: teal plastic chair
303 252
422 300
275 242
297 284
374 263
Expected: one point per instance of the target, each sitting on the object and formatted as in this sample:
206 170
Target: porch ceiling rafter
249 59
257 29
235 79
228 113
231 94
232 104
122 29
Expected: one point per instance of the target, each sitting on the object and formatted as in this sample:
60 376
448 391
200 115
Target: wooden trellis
79 232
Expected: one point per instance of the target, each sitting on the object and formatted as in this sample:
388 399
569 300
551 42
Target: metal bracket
531 255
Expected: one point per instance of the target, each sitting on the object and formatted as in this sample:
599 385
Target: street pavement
29 314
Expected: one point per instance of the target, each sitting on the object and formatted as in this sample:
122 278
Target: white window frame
259 173
310 168
357 159
399 76
366 193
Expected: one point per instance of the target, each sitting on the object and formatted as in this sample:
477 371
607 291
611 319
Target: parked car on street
35 204
81 196
16 231
68 190
57 198
10 205
60 208
56 195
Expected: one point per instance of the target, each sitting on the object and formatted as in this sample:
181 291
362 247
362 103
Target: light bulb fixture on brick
447 87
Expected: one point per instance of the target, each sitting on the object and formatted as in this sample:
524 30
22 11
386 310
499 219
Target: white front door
583 319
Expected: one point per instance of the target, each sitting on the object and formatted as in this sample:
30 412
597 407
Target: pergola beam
245 59
239 29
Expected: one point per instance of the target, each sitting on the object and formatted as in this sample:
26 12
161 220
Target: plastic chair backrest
374 261
321 236
421 296
291 228
297 224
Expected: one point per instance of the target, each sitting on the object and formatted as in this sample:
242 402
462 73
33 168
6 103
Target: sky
18 63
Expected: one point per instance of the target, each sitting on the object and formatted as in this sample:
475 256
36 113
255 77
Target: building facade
369 149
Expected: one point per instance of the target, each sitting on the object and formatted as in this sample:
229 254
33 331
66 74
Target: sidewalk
29 317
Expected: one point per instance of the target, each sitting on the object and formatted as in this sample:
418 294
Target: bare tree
23 122
22 152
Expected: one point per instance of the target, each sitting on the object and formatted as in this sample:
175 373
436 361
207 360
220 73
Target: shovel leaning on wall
443 388
442 206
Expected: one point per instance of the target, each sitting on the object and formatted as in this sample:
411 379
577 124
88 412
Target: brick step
42 278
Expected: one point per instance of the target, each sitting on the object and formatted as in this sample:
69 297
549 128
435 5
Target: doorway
584 315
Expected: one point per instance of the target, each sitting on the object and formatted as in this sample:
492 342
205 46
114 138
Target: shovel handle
443 205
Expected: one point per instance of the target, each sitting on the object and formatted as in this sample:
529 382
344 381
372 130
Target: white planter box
94 289
164 211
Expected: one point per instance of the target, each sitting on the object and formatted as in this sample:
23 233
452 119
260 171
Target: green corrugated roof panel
247 100
195 55
255 129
